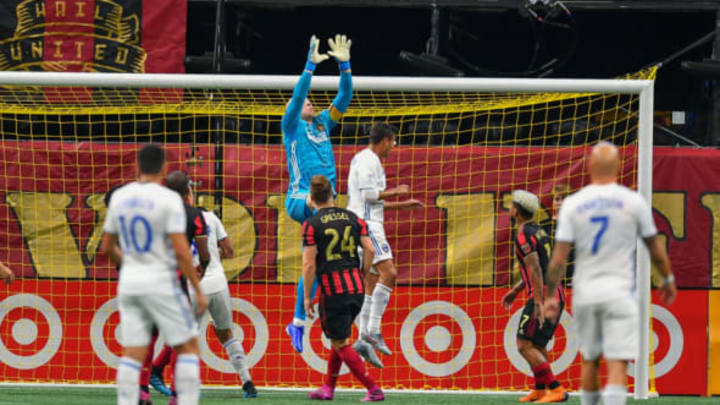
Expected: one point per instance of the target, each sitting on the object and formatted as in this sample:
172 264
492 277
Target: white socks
187 379
128 379
238 359
380 299
614 395
365 313
589 397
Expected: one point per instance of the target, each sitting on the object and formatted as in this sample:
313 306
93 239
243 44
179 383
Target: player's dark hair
380 131
178 182
523 212
320 190
151 159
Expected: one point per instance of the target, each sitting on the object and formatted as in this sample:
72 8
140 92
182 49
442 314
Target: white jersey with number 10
142 215
604 223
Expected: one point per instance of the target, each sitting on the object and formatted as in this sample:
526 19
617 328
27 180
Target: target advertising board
445 338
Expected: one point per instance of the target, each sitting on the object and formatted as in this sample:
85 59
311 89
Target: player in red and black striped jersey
542 311
330 253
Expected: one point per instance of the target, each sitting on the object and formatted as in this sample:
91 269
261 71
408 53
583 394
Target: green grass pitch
106 396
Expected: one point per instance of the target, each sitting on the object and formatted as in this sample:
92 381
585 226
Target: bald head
604 163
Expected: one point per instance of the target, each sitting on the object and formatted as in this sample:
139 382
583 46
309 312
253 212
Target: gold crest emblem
68 35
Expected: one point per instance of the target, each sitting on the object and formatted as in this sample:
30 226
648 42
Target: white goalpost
643 89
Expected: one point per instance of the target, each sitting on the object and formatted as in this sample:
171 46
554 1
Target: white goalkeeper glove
314 56
340 50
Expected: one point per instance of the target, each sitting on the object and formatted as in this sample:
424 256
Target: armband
669 279
310 67
344 65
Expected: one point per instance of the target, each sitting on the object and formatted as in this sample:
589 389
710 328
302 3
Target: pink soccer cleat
145 398
173 400
324 393
374 394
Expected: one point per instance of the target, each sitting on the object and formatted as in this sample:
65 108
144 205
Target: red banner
461 237
448 338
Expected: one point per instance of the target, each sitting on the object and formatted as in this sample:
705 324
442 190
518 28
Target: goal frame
643 88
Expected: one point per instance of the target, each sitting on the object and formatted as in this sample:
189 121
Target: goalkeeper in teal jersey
306 138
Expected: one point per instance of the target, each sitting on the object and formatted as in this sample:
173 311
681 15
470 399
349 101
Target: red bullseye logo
33 331
428 334
666 342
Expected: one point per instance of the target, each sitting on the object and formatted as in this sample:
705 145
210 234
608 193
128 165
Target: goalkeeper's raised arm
306 138
299 108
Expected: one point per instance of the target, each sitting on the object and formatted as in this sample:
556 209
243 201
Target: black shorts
337 314
528 328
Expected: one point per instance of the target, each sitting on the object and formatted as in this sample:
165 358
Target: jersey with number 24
604 223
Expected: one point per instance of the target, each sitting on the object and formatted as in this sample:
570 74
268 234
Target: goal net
464 145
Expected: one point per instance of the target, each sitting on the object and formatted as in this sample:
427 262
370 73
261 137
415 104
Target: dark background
609 39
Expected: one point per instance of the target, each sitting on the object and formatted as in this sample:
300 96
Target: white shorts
376 232
608 328
171 314
219 309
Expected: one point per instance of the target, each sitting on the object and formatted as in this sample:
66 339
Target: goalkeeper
308 148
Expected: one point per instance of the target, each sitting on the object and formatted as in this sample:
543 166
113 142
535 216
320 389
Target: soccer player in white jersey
367 195
603 221
148 222
215 287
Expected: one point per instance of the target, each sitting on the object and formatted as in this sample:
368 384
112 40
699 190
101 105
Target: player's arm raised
340 50
295 105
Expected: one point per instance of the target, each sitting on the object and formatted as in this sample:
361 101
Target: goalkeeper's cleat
144 398
556 395
533 396
367 352
377 341
324 393
156 380
296 336
374 394
249 390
